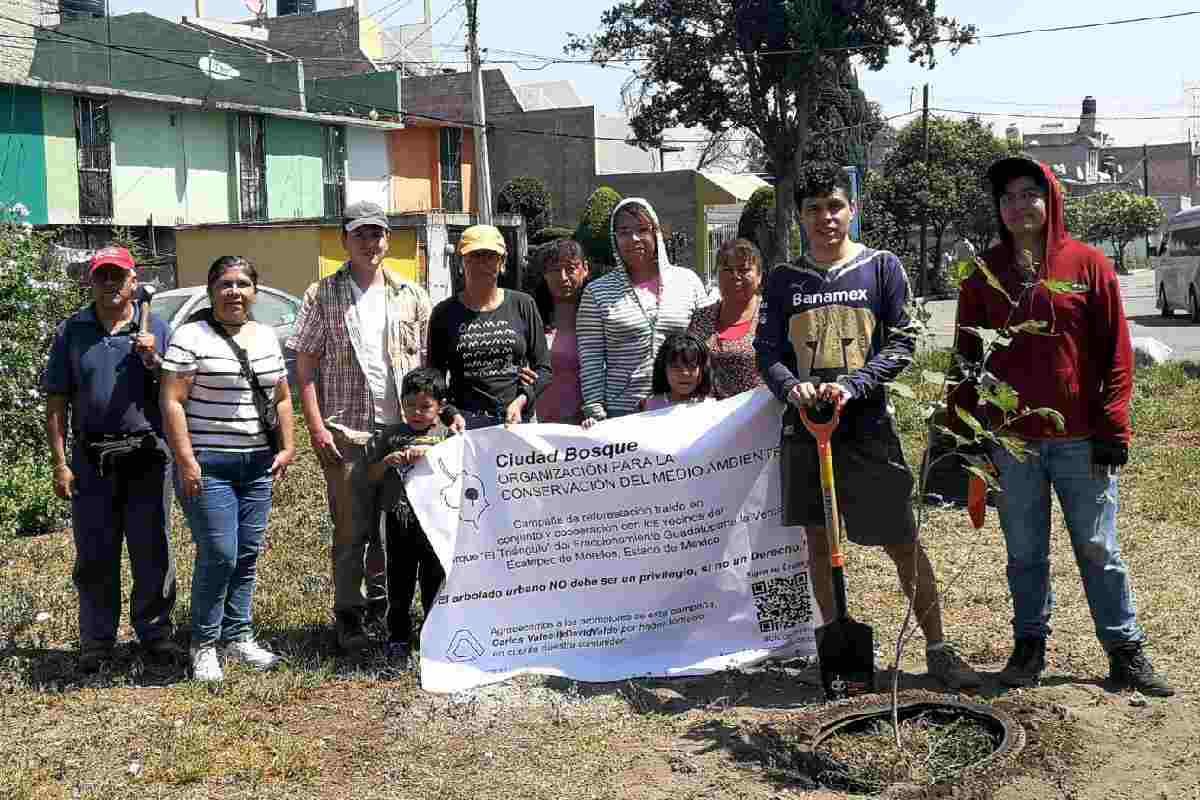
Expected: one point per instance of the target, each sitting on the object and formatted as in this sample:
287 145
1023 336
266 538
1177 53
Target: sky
1132 70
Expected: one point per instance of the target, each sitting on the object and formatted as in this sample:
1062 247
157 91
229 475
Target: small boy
390 454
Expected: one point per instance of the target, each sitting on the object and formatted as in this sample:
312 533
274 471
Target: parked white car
274 307
1177 273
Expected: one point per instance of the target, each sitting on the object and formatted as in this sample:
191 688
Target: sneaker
399 655
1026 664
948 666
162 652
93 656
205 666
1130 668
351 638
252 653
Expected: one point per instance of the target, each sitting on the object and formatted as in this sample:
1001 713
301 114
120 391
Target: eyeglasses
738 272
1027 196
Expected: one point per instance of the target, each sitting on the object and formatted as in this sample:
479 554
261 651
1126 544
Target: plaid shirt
328 328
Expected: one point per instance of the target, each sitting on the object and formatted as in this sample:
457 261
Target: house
203 133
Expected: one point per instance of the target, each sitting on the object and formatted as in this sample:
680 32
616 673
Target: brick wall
17 54
332 34
564 164
449 96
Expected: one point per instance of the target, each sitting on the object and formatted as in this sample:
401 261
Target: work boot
1128 667
162 653
351 638
948 666
1026 664
93 656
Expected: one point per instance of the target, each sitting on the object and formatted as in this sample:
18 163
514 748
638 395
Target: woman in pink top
728 326
565 272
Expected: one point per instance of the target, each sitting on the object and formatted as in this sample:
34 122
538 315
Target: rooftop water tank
285 8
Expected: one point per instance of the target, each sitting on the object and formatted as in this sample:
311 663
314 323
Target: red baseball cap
116 256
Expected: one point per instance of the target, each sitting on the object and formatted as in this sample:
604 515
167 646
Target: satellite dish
217 70
1120 169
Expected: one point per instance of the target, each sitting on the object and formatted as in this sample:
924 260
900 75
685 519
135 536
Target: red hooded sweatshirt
1084 369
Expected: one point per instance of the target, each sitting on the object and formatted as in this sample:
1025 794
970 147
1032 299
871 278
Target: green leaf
903 389
1049 413
1064 287
959 439
993 281
1036 327
1015 447
936 378
1002 396
969 418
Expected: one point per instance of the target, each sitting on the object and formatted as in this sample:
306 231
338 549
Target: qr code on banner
782 603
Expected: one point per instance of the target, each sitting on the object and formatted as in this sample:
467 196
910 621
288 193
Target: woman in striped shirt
225 464
625 316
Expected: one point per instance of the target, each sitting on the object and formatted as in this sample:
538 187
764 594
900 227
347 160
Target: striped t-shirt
220 409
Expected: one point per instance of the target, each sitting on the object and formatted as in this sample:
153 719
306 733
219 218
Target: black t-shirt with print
483 352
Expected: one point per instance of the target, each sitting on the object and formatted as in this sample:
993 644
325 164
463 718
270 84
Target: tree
949 189
1116 217
757 222
528 197
592 232
778 68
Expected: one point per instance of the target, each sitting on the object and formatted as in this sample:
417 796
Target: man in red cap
1073 356
116 473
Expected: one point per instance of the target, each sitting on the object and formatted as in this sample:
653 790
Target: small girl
681 373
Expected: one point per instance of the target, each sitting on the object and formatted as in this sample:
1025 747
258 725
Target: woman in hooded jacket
625 316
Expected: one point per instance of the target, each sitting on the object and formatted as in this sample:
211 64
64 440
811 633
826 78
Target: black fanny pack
111 453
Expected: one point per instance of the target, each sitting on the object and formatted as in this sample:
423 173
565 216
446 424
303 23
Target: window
451 163
93 138
252 167
333 164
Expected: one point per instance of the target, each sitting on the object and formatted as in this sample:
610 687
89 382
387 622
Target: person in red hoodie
1079 363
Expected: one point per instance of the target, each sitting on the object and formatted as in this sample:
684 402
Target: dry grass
325 726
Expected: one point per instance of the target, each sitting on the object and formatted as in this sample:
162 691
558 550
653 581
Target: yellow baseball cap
482 237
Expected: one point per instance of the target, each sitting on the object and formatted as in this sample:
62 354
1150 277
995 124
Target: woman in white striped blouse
225 463
625 316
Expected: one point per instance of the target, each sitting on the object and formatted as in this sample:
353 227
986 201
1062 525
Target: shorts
873 482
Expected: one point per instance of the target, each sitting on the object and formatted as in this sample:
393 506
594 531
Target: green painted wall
22 151
294 177
145 157
355 94
205 151
62 159
177 67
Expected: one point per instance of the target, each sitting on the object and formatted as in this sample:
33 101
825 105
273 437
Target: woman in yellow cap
483 336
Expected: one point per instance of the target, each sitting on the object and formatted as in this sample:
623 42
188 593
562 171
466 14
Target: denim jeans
229 522
1089 505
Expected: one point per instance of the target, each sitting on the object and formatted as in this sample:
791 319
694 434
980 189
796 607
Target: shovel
845 647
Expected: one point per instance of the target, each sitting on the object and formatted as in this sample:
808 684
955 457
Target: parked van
1177 270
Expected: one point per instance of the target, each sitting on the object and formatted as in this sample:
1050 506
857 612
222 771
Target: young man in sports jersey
833 326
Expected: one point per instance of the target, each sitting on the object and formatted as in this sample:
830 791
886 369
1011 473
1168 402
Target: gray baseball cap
364 213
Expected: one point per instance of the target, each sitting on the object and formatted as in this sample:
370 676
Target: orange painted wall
416 169
414 157
468 172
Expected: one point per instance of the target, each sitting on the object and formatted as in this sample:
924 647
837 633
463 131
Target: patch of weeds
187 757
934 749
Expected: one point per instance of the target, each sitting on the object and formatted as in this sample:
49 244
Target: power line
1073 117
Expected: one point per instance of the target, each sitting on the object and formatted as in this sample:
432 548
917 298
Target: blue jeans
1090 507
229 522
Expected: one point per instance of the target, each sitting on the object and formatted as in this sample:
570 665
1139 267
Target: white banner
650 545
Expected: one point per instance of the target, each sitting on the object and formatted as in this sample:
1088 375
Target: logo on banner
465 494
464 647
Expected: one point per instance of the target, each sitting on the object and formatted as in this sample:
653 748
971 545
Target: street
1182 336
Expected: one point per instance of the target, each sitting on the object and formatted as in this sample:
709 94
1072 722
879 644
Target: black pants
409 555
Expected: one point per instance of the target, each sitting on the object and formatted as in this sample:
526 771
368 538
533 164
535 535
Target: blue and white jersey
845 324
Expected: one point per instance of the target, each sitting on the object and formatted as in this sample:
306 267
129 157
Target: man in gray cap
359 331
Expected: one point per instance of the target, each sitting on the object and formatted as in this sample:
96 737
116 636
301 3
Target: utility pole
925 191
483 175
1146 188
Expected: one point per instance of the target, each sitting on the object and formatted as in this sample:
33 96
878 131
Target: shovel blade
846 649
